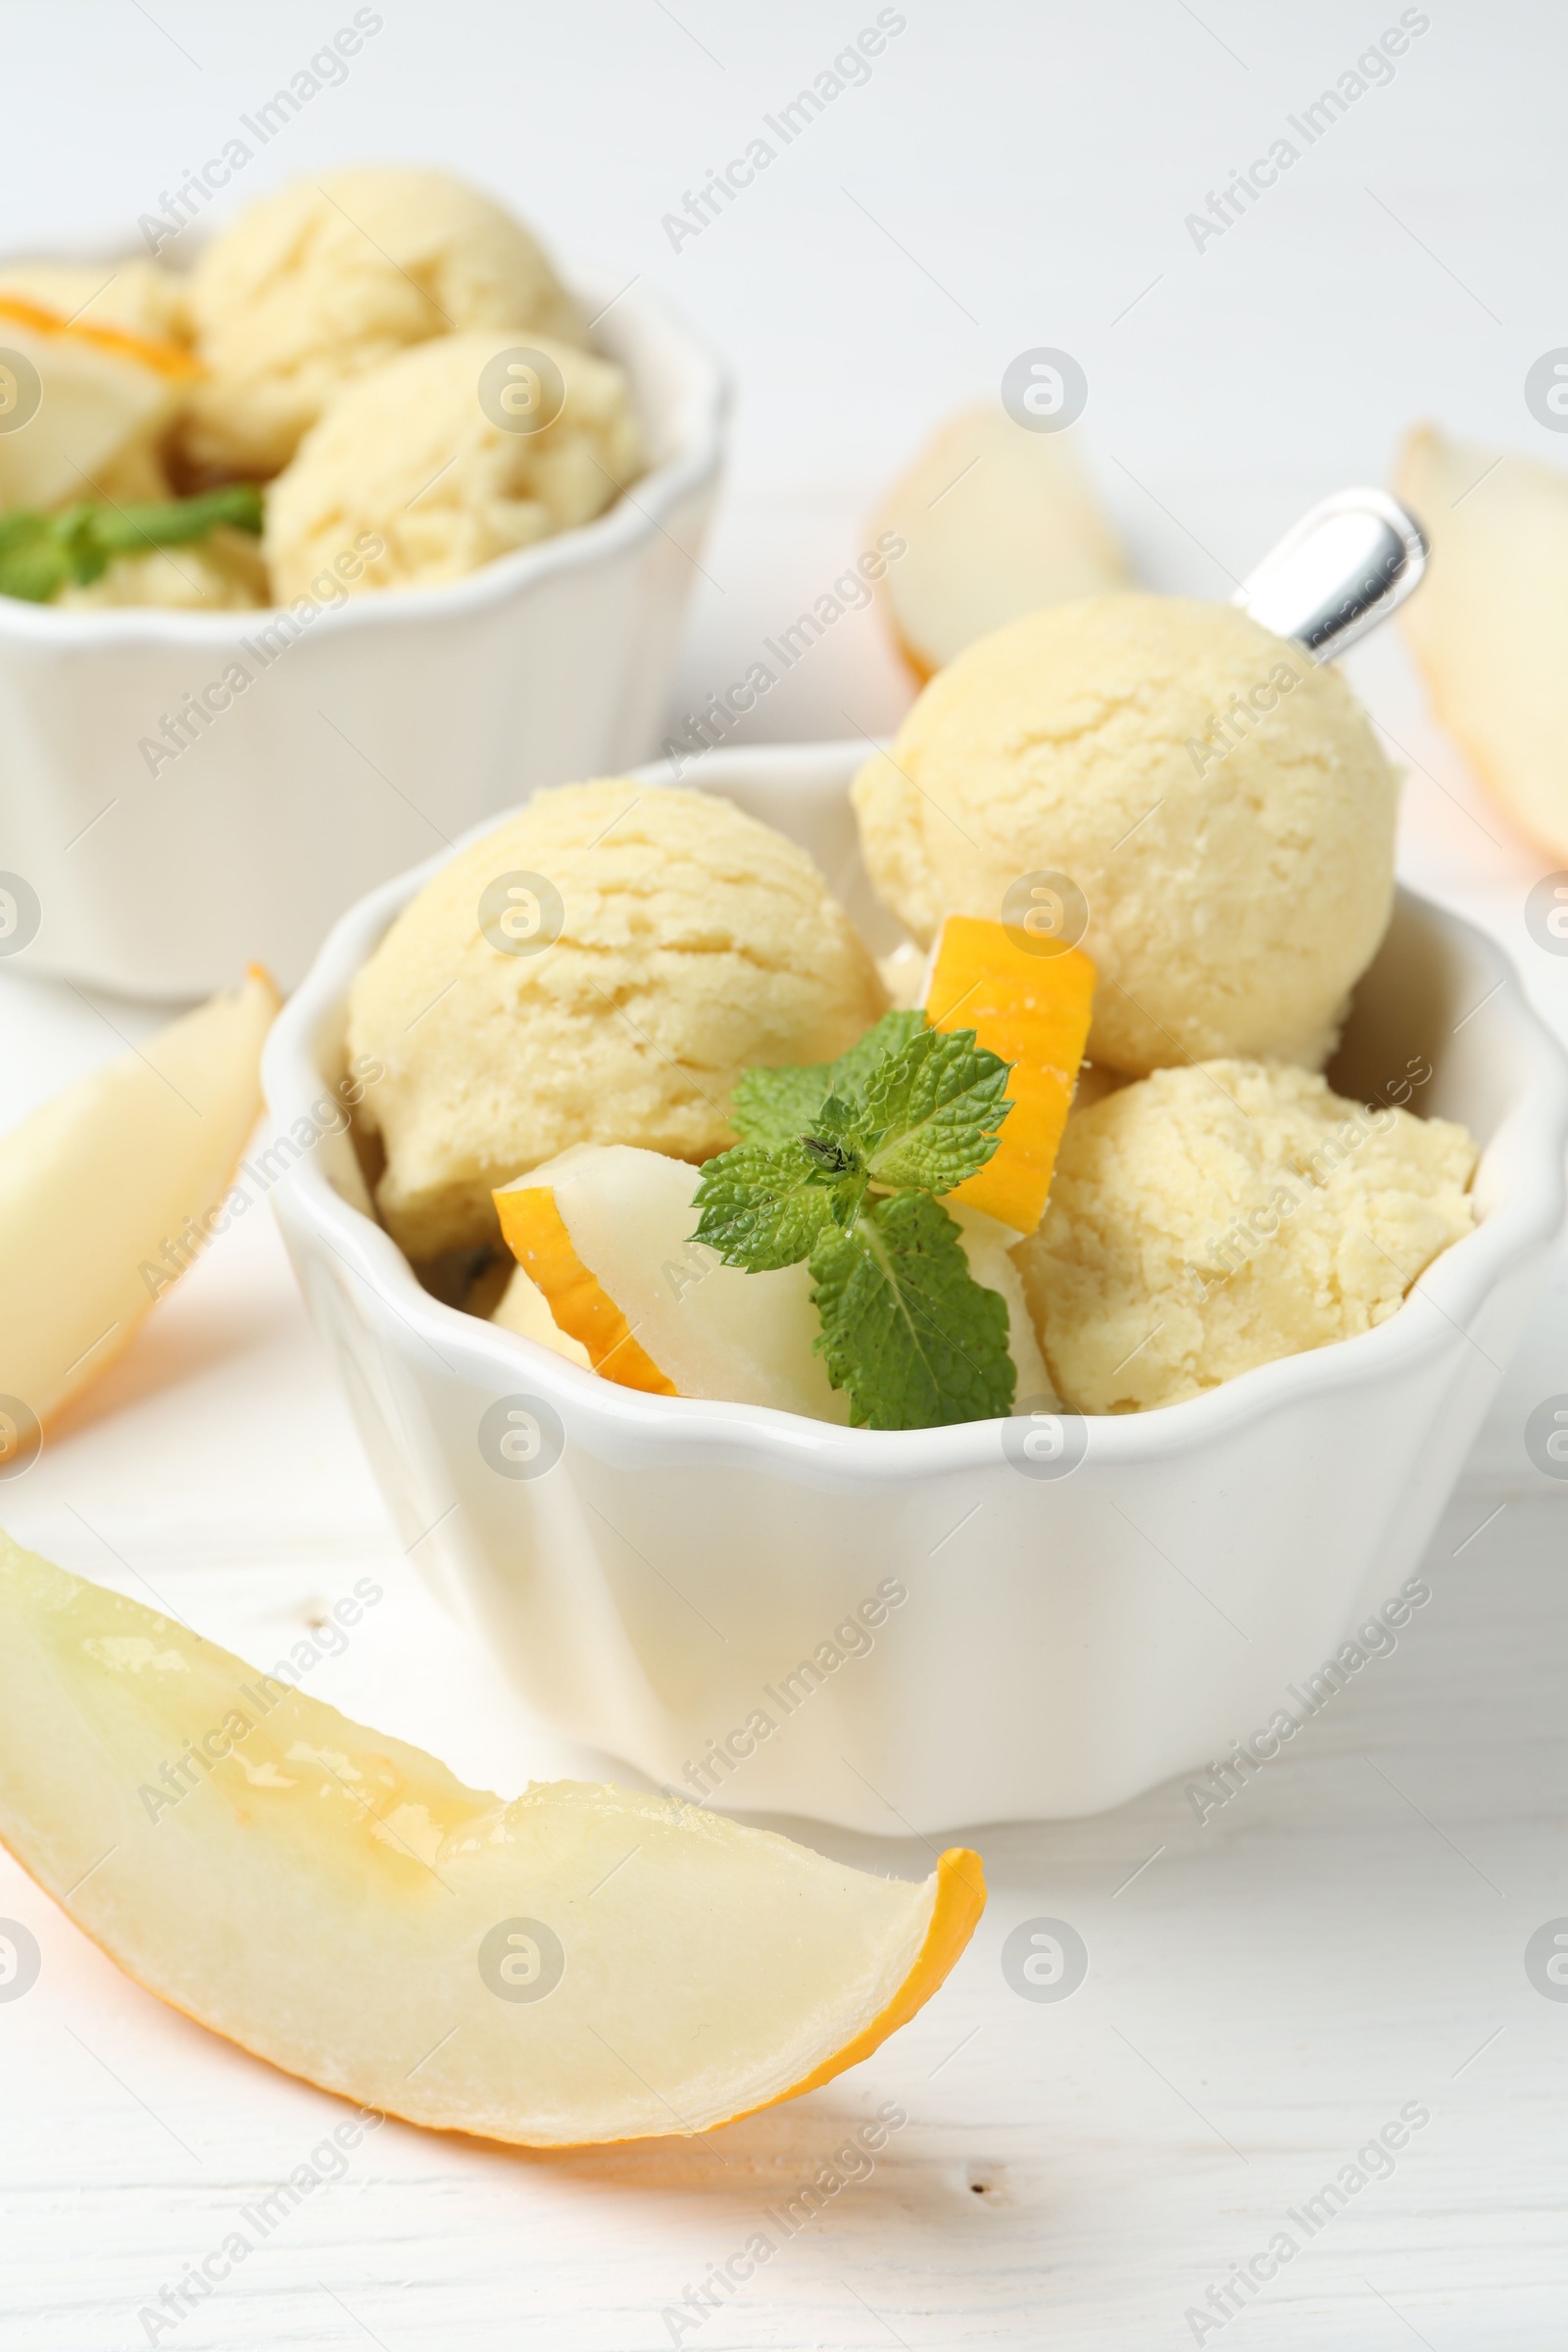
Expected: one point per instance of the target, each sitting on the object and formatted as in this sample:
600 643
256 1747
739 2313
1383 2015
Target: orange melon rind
536 1233
168 359
1034 1011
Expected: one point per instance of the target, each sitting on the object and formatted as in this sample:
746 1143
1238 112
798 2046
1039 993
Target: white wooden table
1342 1944
1346 1939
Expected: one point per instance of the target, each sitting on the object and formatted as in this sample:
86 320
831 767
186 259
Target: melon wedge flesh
1489 622
99 1189
604 1233
1034 1011
581 1964
995 521
103 391
603 1236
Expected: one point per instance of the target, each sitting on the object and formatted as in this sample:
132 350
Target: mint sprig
907 1330
763 1209
39 553
933 1109
773 1106
839 1166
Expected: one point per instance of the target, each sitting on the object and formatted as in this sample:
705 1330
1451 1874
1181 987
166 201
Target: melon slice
1034 1011
1490 622
100 393
995 521
132 294
604 1233
523 1307
602 1236
110 1190
581 1964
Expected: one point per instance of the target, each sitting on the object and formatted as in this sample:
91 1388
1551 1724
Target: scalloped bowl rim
1528 1150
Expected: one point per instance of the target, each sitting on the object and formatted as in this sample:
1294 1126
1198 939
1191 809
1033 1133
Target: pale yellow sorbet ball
691 942
412 460
329 277
1209 1219
1219 801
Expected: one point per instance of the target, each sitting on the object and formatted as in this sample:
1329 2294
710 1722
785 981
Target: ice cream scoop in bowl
425 650
1031 1616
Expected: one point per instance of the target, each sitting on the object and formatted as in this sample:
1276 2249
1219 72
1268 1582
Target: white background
1271 1988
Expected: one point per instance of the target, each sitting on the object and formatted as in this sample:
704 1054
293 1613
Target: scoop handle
1337 573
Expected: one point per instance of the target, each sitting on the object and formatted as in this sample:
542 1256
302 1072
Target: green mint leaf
906 1331
834 1142
763 1210
773 1106
933 1110
40 553
838 1165
174 521
33 561
77 529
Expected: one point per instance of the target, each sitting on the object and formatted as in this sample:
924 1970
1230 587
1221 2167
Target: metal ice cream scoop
1338 572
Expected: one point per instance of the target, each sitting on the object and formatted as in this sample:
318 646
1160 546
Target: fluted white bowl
388 726
983 1636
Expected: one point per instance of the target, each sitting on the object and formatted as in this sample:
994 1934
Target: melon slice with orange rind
580 1965
994 521
75 398
1033 1010
602 1235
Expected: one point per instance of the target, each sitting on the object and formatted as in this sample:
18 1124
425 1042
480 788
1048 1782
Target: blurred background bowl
391 725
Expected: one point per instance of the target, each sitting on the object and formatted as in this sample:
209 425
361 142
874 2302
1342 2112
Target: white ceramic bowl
653 1571
391 725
